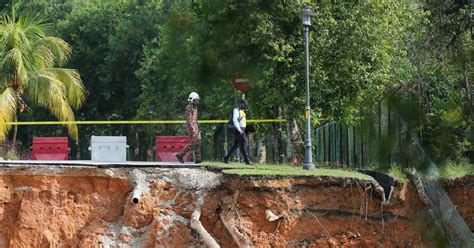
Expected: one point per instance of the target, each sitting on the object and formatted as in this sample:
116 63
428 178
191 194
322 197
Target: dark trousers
240 141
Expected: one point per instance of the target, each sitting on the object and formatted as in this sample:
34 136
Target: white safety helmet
193 96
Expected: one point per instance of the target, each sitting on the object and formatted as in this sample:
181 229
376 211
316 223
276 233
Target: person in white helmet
192 130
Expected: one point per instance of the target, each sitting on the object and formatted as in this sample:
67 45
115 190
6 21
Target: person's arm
235 120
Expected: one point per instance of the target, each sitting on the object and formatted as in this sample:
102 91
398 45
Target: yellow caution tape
25 123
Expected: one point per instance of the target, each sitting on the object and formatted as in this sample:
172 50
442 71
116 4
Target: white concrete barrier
108 148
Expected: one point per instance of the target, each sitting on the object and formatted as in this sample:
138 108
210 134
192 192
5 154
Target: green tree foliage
355 49
352 47
140 59
50 11
108 38
437 87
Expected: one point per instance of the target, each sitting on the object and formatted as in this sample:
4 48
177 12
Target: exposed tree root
196 225
238 237
319 222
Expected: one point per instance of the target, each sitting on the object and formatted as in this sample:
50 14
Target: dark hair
244 103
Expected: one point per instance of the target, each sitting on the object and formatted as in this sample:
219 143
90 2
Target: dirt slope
85 207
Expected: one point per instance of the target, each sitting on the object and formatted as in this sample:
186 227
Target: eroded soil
90 207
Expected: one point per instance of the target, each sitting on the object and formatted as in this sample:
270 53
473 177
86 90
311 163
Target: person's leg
187 148
233 148
244 148
196 144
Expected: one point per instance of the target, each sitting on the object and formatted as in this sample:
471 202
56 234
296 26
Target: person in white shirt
239 121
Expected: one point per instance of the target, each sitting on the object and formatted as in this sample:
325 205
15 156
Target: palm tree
28 72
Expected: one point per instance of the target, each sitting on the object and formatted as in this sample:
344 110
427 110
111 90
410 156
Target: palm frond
59 48
7 111
8 36
28 57
5 19
33 26
42 57
70 78
3 81
49 92
13 64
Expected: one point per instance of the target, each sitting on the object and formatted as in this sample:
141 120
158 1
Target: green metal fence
376 139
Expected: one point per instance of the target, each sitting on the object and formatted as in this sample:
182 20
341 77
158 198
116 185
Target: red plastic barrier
167 147
50 148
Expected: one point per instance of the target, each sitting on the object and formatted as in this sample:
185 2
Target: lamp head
306 15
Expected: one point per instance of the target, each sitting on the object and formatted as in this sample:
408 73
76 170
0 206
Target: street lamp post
306 14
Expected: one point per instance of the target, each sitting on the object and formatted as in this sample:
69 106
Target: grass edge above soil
284 170
449 171
453 171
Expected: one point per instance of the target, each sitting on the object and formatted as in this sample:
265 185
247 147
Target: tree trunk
136 151
216 145
15 131
252 146
295 142
469 92
261 151
278 135
289 147
78 154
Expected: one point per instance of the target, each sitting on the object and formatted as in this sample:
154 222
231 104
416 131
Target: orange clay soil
89 207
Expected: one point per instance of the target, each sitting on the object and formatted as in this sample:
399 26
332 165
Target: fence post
346 145
333 143
337 144
316 132
325 149
362 147
389 134
329 143
350 153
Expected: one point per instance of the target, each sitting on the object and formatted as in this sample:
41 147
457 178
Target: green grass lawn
283 170
456 170
397 173
449 171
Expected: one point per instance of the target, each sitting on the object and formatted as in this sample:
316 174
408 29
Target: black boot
180 158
